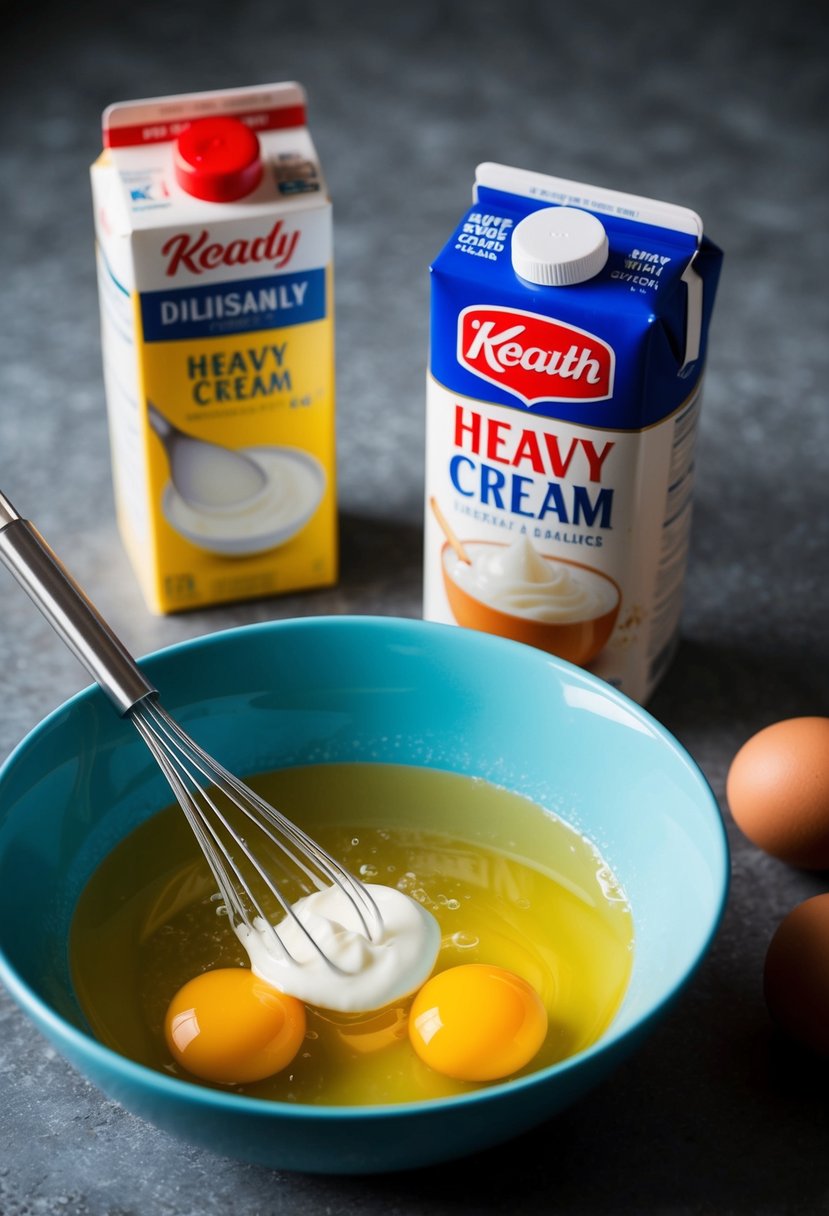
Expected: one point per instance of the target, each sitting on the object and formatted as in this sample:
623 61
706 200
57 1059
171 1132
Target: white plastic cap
557 246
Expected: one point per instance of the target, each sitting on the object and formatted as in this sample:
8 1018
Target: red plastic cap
217 159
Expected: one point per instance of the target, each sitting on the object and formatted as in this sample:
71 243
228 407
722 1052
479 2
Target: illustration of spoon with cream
455 542
206 475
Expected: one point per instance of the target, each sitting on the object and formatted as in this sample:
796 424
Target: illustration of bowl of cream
557 605
236 501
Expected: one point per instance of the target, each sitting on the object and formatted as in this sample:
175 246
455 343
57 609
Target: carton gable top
272 107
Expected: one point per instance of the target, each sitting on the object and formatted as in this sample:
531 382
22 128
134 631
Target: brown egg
778 791
796 974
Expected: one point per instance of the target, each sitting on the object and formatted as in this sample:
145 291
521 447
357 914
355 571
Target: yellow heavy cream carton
214 245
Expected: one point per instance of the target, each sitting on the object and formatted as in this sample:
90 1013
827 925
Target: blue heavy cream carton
568 339
214 248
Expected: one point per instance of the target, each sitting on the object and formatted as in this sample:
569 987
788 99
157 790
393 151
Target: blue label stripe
231 308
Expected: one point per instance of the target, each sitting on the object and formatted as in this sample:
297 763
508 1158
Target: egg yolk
229 1026
477 1022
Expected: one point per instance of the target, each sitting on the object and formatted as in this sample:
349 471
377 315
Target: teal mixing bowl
341 689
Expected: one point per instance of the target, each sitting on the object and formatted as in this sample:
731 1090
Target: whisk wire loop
186 767
195 821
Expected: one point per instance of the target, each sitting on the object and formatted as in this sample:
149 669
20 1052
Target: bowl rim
84 1044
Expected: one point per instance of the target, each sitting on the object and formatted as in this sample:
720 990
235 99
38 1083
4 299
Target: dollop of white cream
371 973
210 477
294 486
516 579
290 489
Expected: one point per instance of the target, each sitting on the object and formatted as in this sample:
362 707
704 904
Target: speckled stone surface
720 107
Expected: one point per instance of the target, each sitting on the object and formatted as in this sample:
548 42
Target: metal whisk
242 837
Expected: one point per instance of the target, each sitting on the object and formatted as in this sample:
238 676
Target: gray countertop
724 113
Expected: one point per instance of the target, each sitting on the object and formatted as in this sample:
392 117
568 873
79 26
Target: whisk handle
76 620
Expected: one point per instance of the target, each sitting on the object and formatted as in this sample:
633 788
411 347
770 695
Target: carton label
217 333
536 358
235 307
561 428
199 251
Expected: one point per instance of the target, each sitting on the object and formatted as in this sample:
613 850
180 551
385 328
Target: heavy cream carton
214 245
568 338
